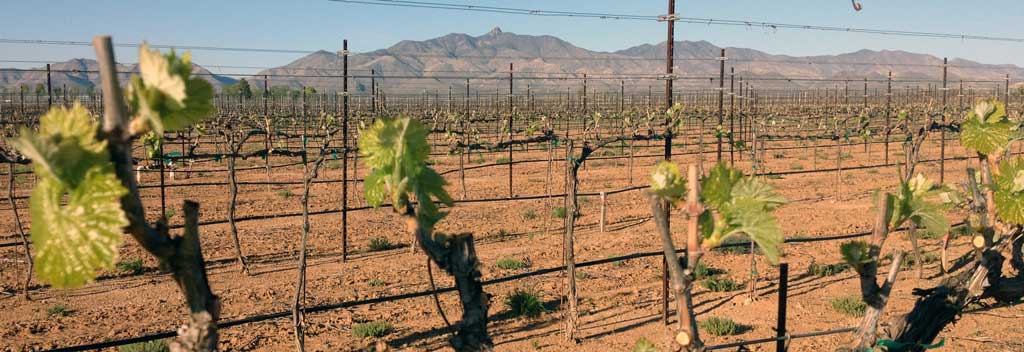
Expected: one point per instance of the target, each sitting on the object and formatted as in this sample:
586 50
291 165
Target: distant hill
452 56
81 74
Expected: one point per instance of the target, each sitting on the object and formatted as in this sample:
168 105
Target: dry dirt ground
619 301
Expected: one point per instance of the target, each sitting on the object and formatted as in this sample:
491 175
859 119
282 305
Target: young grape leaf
1009 191
740 205
397 150
164 97
716 188
987 129
667 182
746 216
77 239
856 253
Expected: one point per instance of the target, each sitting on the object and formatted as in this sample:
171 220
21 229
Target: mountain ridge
444 61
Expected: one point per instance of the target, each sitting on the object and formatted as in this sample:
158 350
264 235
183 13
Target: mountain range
543 62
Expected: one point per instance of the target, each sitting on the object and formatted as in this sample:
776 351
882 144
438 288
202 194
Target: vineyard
510 211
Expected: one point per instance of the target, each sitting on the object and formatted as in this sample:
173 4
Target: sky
322 24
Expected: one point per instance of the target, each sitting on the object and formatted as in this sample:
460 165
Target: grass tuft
644 345
823 270
718 284
148 346
525 303
58 310
380 243
511 264
376 328
703 271
530 214
558 213
849 305
132 266
719 326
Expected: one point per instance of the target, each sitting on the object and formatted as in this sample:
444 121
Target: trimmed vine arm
181 255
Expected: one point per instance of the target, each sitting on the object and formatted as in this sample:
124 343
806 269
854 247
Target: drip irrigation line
425 293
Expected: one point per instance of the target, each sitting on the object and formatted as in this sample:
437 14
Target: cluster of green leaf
1008 191
76 239
736 205
987 129
912 204
740 205
76 204
164 97
397 150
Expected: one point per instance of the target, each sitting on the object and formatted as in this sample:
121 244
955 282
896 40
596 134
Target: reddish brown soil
619 302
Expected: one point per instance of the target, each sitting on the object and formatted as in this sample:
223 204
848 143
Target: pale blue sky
321 24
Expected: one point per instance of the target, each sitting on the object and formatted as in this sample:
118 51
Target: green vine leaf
856 253
77 239
164 97
913 203
740 205
716 188
1009 191
397 150
987 129
667 182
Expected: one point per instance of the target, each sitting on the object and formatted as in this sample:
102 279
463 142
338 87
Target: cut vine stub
978 241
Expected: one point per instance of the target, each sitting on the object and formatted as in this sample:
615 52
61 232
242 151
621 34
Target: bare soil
619 302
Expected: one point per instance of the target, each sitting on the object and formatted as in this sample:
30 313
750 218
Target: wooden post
942 134
604 203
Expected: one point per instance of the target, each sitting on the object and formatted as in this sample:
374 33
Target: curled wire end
856 5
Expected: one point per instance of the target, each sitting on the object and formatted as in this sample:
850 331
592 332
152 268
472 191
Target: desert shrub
558 213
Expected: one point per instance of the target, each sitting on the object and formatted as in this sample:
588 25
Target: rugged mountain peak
494 31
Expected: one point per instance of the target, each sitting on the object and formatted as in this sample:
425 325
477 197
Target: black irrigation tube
779 338
367 207
410 295
534 197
